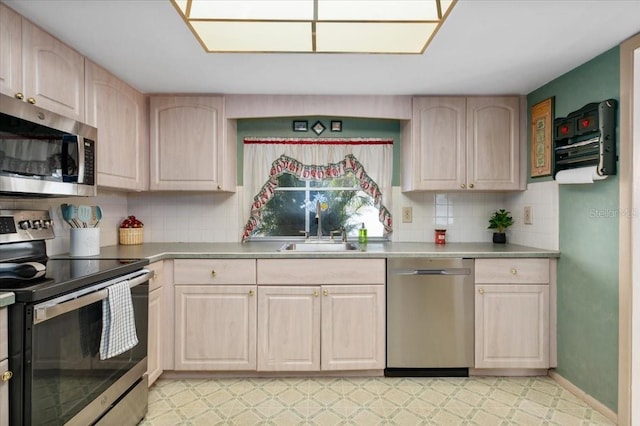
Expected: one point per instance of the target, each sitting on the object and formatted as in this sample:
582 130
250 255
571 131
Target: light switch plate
407 214
528 215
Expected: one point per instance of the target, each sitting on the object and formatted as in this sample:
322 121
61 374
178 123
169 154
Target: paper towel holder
587 137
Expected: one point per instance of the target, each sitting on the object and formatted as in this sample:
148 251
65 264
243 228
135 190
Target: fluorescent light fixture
314 26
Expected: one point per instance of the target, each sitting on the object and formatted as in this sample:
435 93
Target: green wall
588 266
351 128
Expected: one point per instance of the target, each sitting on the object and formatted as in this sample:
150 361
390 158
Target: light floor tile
484 401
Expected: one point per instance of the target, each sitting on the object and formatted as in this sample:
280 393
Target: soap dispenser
362 235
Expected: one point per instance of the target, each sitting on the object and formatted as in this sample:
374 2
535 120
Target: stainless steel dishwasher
430 317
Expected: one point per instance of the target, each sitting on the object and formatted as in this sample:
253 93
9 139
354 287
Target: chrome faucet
319 218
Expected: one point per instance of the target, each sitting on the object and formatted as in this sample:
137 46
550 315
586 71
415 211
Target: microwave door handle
46 311
81 159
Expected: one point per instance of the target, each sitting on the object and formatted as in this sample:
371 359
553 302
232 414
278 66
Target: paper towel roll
580 175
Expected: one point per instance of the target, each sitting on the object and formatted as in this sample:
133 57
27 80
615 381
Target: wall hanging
585 143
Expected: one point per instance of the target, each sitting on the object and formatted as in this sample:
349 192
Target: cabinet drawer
214 271
158 278
4 335
321 271
512 271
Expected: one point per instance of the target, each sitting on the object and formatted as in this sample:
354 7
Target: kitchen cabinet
321 314
192 145
462 143
120 113
38 68
512 313
155 356
5 375
215 314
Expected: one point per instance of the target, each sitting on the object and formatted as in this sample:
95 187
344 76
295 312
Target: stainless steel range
61 374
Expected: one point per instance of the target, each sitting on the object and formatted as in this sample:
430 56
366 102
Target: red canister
440 236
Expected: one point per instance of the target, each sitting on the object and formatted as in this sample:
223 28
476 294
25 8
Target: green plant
500 220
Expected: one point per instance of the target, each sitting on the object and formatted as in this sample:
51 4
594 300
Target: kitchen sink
319 246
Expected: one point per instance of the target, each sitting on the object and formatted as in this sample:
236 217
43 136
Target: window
292 209
284 178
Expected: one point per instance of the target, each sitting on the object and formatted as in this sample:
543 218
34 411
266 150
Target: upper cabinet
38 68
193 146
120 114
458 143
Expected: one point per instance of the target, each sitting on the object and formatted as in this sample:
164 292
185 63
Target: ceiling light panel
377 10
243 36
309 26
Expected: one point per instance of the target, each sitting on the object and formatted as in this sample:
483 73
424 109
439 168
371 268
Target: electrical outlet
407 214
528 215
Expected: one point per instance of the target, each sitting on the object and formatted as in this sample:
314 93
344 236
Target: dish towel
118 322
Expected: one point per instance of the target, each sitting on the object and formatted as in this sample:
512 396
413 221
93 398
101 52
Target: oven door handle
73 301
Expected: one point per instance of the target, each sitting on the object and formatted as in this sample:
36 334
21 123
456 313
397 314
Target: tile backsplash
215 217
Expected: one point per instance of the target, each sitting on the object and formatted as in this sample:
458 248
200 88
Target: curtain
264 158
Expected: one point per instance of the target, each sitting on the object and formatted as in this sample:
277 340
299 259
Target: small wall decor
541 119
300 126
318 128
336 125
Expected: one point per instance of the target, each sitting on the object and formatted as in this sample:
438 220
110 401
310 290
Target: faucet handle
306 234
336 232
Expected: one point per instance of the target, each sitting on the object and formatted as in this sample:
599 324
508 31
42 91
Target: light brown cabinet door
289 328
120 114
10 52
215 327
439 147
512 326
353 327
53 73
190 147
493 143
154 345
4 394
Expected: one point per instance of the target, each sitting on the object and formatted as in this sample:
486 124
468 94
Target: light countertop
6 299
267 250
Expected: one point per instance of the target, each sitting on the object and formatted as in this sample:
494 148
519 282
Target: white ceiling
484 47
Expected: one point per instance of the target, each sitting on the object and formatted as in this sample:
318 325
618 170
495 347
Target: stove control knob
24 224
46 224
36 224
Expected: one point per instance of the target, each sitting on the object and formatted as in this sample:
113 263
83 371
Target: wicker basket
130 236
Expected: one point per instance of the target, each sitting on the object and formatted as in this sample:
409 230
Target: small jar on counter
441 236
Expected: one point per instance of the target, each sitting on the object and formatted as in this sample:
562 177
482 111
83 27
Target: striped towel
118 323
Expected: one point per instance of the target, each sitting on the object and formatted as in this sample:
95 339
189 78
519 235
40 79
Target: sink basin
319 247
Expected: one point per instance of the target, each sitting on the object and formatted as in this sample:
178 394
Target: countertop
269 250
6 299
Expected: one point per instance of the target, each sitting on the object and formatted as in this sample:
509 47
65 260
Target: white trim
583 396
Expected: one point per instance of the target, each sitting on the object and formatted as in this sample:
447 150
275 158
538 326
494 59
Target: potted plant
500 221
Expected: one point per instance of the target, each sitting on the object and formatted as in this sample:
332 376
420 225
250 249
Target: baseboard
177 375
588 399
508 372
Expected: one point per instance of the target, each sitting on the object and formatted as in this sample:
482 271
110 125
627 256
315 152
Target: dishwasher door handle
448 271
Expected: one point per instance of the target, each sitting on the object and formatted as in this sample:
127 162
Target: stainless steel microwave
43 154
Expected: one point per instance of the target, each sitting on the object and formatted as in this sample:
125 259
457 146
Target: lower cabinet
154 333
5 374
215 327
512 321
311 328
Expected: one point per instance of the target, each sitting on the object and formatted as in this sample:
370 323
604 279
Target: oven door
66 382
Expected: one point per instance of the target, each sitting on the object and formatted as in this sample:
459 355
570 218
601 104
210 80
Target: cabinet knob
315 294
462 186
219 187
32 101
514 271
325 292
7 375
213 272
481 290
251 292
471 185
19 96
